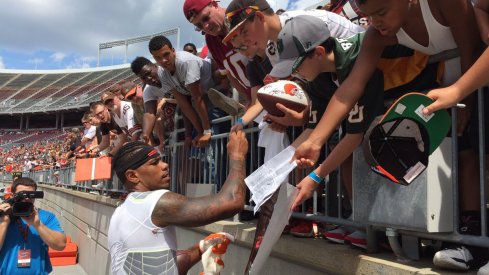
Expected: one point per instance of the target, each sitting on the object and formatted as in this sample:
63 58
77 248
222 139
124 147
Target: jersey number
356 114
235 65
313 119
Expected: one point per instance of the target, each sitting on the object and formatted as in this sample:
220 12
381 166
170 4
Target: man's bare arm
122 138
481 10
175 209
200 107
105 143
187 109
4 222
350 91
149 119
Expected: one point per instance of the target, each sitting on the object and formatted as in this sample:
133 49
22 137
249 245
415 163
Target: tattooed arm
175 209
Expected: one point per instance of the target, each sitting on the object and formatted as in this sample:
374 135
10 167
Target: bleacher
35 91
11 137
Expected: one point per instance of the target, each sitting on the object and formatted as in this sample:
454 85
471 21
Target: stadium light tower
127 42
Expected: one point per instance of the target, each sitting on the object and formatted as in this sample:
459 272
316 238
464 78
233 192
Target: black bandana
139 158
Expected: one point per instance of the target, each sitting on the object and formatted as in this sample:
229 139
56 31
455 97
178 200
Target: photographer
24 241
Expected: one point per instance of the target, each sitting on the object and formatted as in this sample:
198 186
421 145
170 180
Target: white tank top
136 245
440 37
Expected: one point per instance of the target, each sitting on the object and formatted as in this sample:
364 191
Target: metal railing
209 166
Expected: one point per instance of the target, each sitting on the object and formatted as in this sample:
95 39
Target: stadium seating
35 91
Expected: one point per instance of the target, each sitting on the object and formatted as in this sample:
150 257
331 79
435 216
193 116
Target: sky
65 34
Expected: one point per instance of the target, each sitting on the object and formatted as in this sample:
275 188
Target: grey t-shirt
154 93
188 69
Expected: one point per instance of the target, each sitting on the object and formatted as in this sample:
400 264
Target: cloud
81 63
75 28
304 4
36 60
58 56
2 65
79 26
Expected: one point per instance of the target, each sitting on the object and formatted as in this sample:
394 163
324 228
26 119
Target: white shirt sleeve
128 114
192 67
90 133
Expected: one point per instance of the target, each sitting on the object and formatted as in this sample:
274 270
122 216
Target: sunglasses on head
246 10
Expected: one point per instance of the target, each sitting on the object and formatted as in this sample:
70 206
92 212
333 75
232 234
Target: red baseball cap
192 7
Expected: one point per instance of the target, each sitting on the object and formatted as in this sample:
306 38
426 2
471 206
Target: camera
22 208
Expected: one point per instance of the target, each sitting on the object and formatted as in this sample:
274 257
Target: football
285 92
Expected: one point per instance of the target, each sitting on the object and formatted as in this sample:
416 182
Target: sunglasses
246 10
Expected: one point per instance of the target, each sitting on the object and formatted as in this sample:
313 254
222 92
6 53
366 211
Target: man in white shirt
123 115
142 230
89 131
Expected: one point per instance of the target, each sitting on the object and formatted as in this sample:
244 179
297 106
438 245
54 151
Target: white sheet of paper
268 177
280 217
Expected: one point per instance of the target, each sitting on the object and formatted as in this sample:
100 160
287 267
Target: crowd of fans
36 150
248 50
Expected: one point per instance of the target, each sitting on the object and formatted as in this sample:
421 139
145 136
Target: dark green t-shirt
370 104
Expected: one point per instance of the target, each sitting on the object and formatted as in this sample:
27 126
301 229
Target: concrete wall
85 217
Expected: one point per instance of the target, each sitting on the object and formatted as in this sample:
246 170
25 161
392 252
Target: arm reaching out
344 98
175 209
474 78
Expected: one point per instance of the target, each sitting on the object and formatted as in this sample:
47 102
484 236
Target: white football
285 92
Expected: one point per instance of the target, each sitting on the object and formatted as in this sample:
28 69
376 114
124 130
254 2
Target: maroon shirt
350 10
230 60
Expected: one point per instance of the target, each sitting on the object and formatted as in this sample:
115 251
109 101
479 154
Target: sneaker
457 258
100 185
358 238
470 223
484 270
305 229
223 102
337 235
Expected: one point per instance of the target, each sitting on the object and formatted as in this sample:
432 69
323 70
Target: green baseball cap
399 146
411 106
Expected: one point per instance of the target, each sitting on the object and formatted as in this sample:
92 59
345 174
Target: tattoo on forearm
175 209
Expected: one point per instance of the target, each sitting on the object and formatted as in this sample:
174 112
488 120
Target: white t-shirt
188 69
135 243
125 118
339 27
90 132
154 93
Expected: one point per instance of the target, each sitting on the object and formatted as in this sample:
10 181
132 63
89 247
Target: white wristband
208 132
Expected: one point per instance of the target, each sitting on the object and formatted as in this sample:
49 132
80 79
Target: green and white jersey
370 104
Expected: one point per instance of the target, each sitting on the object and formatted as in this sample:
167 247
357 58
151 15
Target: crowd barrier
200 172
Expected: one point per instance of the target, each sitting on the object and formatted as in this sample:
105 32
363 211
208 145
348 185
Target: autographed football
285 92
